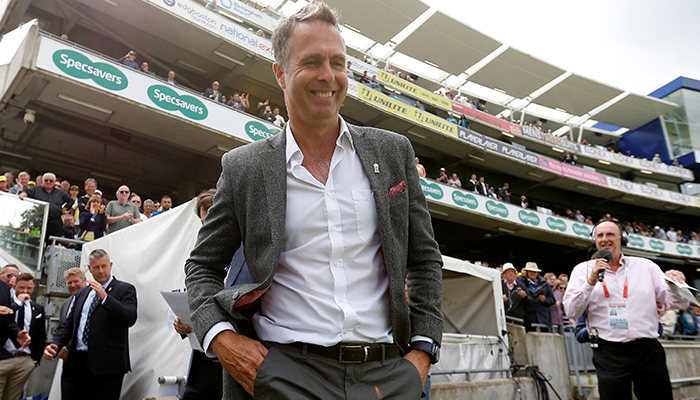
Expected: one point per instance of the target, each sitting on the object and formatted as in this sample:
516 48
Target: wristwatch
432 349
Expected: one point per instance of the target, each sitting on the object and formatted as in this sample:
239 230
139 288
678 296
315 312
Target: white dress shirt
646 286
331 284
23 325
80 345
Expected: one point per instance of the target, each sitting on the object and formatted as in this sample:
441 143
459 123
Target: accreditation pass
618 315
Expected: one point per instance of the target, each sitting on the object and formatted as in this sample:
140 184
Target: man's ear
279 75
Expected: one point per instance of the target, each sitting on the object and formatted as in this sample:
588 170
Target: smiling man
96 331
331 233
622 317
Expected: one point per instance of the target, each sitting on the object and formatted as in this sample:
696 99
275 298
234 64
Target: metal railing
469 372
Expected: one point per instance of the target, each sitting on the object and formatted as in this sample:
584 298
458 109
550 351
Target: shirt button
333 228
337 263
328 193
340 300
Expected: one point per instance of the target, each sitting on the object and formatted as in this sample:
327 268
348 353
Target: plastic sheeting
467 352
151 256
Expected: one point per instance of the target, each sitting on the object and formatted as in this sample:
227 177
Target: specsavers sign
58 58
530 219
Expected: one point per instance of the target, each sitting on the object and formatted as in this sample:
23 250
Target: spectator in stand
136 200
223 99
165 203
579 217
420 168
482 187
212 6
90 190
267 115
442 176
471 185
454 181
523 202
570 214
503 193
451 118
58 203
171 78
374 83
659 233
213 92
681 237
364 78
348 70
279 120
93 222
541 295
21 184
569 159
129 60
656 159
492 193
389 69
235 101
419 105
70 231
668 319
563 277
148 208
144 69
464 122
392 94
676 163
671 234
687 324
4 186
556 308
10 179
65 186
120 212
515 296
261 107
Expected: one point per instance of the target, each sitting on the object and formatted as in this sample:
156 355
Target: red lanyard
624 291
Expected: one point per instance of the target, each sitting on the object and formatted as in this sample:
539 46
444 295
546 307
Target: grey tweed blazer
250 207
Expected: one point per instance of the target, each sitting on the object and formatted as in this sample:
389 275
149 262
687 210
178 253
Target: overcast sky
636 45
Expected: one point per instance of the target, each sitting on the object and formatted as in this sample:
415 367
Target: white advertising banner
248 12
73 63
218 24
652 192
475 203
636 163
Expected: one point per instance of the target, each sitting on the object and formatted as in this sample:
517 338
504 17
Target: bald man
120 212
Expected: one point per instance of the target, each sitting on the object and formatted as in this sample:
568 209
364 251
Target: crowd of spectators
87 217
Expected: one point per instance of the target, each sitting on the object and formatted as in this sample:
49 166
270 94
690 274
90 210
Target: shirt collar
292 148
111 278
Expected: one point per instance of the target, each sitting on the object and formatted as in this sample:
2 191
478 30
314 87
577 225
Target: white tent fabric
151 256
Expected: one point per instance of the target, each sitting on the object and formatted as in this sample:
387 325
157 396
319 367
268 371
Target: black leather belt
352 353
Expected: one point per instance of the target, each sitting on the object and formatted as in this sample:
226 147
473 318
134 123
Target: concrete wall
519 343
492 389
683 361
546 350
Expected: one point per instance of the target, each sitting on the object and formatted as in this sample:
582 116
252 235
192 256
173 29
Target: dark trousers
288 373
205 379
79 383
642 362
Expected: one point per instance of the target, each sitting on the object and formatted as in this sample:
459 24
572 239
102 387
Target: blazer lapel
273 165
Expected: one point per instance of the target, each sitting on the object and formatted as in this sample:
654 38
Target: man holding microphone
622 316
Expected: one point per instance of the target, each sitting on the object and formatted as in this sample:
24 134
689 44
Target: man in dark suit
332 231
17 361
97 329
75 280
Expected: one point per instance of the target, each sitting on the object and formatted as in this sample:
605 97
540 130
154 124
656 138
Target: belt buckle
353 347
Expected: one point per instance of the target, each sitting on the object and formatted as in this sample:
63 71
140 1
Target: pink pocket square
400 188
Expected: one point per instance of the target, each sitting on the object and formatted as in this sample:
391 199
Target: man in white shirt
334 222
622 317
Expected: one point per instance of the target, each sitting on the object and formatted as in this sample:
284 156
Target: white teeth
324 94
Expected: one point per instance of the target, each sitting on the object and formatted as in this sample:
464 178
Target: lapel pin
376 168
109 290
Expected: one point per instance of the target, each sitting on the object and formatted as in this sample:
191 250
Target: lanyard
625 290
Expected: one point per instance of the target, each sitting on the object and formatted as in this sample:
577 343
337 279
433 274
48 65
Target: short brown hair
314 11
25 277
204 201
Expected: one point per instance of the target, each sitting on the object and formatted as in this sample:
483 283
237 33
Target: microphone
608 256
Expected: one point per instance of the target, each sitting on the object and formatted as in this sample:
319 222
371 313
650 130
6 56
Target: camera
29 116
